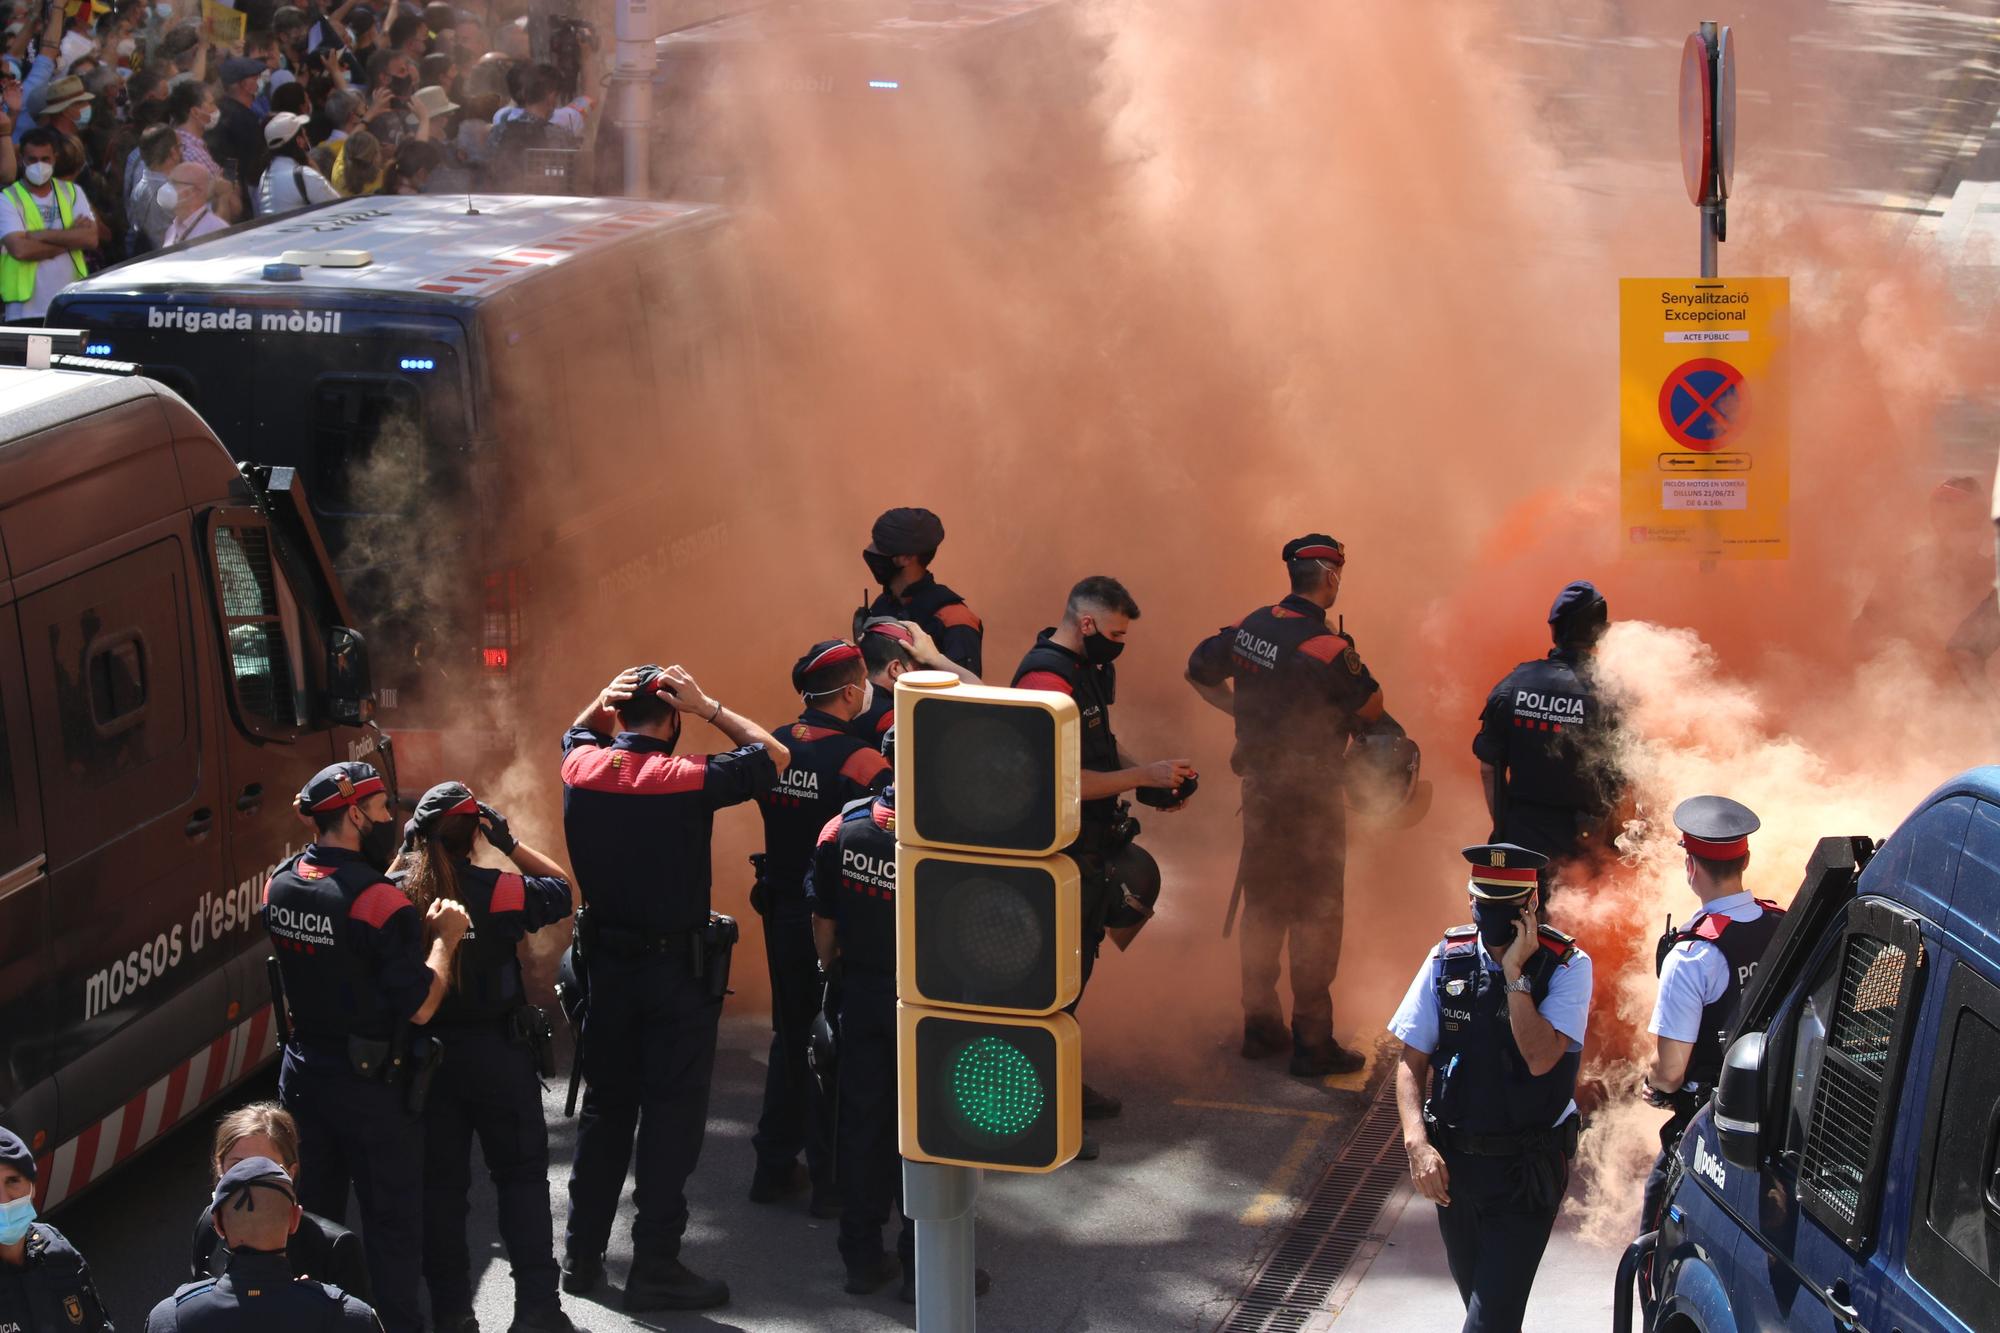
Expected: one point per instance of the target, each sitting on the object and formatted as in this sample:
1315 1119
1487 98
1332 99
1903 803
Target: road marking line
1277 1191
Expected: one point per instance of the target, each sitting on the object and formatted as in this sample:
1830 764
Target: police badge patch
1496 858
1352 661
74 1309
1456 986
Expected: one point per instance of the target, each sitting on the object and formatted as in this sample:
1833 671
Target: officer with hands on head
489 1084
1549 785
1298 691
1493 1025
889 647
357 974
831 766
639 819
901 546
1705 966
256 1210
1075 658
44 1283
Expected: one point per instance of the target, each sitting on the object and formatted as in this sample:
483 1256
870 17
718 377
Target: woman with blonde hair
357 164
322 1250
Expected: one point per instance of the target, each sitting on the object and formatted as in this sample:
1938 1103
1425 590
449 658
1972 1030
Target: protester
190 192
290 182
357 167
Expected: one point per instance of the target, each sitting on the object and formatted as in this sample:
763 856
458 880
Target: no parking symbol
1701 403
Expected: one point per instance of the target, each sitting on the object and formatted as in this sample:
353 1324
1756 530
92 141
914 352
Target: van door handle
1837 1297
252 797
199 826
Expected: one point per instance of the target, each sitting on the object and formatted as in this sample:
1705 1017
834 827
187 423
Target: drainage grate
1338 1218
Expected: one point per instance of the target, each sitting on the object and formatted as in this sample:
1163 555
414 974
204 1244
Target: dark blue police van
1847 1174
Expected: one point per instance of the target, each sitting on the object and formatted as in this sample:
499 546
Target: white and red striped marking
552 251
168 1100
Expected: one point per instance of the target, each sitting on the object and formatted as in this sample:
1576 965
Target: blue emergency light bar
419 363
890 84
97 349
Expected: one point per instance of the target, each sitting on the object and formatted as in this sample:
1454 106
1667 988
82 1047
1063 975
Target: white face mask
168 198
164 11
83 117
127 45
38 173
867 695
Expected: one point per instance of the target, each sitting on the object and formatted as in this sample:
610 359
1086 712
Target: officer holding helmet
357 975
1492 1028
900 549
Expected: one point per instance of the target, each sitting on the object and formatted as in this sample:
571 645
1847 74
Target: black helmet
1383 768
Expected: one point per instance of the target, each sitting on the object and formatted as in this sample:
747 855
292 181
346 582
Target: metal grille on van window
1839 1142
259 661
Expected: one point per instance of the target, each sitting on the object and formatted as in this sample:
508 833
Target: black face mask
403 86
883 567
379 843
1101 649
1496 922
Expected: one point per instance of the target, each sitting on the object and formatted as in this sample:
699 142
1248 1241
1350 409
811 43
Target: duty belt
1505 1145
631 942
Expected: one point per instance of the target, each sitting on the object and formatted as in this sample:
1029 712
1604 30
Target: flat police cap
907 532
259 1172
15 1153
811 673
440 802
1500 870
1315 546
889 628
652 680
1716 828
1580 599
338 786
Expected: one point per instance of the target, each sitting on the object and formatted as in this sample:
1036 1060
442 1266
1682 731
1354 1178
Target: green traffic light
996 1087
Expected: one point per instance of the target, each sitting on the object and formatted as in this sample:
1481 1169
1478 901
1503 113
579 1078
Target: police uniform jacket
1298 687
505 907
350 946
943 615
852 883
1050 666
831 767
319 1248
639 820
1705 966
874 724
52 1290
258 1292
1537 729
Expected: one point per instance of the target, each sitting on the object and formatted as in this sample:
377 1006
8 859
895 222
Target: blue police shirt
1695 974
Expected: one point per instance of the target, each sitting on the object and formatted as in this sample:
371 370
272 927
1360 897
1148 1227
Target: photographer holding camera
1120 880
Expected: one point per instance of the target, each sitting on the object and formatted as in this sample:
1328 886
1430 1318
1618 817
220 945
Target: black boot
669 1284
541 1319
1264 1037
769 1186
1100 1105
868 1278
1331 1058
581 1274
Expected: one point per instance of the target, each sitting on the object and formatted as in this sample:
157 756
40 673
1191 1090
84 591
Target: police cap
258 1172
338 786
1500 870
14 1153
817 672
441 801
652 680
1716 828
1578 607
1315 546
907 532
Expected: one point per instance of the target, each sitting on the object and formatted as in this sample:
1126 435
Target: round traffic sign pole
1697 120
1725 112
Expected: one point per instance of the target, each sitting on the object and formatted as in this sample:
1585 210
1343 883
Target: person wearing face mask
1492 1029
639 819
1075 658
889 647
900 549
1704 966
831 766
290 181
189 196
45 226
357 975
1298 692
45 1285
191 110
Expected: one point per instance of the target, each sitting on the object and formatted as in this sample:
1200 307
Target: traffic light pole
939 1200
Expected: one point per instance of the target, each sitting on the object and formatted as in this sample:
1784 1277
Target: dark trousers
1294 872
487 1087
795 1116
869 1170
1655 1197
359 1133
648 1056
1494 1235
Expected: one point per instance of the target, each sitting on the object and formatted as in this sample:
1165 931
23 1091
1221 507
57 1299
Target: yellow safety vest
17 276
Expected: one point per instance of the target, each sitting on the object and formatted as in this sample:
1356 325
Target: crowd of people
129 128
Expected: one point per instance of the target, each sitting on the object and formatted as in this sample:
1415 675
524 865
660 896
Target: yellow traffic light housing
990 933
983 769
989 1090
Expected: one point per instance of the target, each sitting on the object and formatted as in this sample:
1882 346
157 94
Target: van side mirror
350 694
1739 1097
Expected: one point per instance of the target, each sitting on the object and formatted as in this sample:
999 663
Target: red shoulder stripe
1324 647
633 773
377 903
864 766
1711 927
800 731
1044 680
510 894
884 722
831 831
958 616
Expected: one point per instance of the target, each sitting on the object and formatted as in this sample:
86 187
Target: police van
508 411
1847 1174
175 661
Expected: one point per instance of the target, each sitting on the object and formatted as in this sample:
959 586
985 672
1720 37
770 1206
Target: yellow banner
222 25
1704 417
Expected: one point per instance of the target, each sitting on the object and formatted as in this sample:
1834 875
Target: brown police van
174 663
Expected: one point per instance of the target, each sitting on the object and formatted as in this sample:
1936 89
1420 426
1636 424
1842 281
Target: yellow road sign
1704 417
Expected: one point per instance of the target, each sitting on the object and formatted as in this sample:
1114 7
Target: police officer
899 553
357 975
44 1283
638 818
255 1212
1543 759
830 767
1298 691
1704 966
1075 658
851 885
1493 1024
489 1082
889 647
